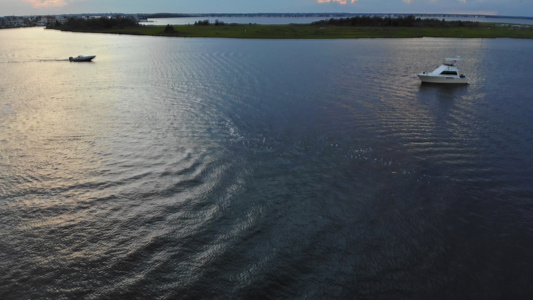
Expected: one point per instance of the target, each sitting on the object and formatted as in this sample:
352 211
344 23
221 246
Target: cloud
432 1
339 1
50 3
47 3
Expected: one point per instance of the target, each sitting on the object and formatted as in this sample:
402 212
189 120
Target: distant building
13 22
61 19
28 21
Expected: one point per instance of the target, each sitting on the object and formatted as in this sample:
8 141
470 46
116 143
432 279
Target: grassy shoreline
308 31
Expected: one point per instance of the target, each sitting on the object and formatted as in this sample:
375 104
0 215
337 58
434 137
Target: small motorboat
446 73
81 58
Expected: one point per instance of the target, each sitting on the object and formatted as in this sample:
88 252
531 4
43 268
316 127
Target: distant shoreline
46 20
333 28
309 31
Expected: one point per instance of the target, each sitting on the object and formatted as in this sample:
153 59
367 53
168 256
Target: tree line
408 21
95 23
207 23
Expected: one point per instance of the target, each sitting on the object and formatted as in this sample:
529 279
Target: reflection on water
444 93
205 168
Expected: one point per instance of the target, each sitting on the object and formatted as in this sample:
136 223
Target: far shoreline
343 28
308 31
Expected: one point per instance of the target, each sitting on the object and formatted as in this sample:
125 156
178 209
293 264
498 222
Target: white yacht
446 73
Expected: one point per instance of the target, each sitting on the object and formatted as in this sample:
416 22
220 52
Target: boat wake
23 61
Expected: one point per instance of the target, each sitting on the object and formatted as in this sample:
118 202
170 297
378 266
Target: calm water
177 168
306 20
234 19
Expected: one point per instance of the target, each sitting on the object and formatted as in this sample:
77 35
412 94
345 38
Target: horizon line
484 14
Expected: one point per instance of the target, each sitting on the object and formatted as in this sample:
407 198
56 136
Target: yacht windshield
448 73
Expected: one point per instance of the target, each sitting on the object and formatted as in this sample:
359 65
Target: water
310 19
272 20
177 168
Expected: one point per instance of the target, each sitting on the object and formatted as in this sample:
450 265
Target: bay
281 20
224 168
265 20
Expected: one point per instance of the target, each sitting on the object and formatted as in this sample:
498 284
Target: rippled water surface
174 168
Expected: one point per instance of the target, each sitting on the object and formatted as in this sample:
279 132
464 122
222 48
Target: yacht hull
442 79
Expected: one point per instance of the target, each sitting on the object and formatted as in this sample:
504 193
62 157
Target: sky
46 7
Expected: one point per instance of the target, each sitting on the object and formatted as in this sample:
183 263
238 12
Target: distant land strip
356 27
